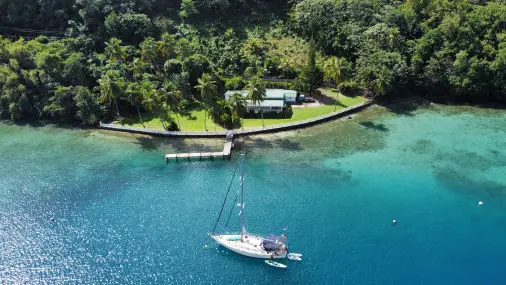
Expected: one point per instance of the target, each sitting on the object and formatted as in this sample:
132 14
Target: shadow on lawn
328 96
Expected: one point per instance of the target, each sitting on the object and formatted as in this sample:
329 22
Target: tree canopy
85 61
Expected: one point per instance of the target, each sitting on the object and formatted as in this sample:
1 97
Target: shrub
234 83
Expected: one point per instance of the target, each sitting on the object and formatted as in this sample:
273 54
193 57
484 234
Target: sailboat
270 247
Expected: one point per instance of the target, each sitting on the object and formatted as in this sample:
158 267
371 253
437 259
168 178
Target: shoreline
246 132
399 106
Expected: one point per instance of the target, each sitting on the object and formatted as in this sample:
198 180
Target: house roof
267 103
270 94
232 92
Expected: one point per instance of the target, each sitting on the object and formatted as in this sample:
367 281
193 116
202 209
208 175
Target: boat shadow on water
229 257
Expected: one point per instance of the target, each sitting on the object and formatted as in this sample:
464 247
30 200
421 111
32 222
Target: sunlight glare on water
123 216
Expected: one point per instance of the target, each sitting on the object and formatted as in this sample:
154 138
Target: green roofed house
275 100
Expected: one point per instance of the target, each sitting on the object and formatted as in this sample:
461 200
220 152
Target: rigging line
231 209
226 196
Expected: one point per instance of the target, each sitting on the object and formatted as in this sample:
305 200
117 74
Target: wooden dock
226 153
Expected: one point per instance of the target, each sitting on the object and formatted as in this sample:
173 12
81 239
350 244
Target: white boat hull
249 246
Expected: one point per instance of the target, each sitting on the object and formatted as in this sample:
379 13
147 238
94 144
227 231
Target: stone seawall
271 129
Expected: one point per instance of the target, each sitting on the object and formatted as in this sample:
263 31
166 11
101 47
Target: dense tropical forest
83 61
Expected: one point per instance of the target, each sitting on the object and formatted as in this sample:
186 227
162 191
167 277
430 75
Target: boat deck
250 246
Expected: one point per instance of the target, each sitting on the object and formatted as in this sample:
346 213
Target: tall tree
154 100
134 96
311 76
335 69
111 87
237 104
382 83
114 51
315 20
173 101
256 93
208 90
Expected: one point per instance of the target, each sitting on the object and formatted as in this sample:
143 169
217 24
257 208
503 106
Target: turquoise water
123 216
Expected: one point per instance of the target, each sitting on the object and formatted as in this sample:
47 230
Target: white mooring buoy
480 203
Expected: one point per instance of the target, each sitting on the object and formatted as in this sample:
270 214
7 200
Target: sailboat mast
243 230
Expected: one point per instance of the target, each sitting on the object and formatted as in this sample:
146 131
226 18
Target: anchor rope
226 196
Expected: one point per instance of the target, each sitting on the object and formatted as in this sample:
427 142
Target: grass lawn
344 99
308 113
195 123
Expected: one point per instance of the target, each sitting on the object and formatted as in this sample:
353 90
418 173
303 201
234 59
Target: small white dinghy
294 256
275 264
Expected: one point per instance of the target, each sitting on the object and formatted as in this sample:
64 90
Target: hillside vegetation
86 60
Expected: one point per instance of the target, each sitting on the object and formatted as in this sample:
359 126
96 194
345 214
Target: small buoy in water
480 203
51 219
394 222
205 245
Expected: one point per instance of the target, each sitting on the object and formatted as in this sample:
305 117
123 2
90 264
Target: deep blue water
123 216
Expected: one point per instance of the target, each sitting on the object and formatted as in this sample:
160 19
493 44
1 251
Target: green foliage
279 56
195 65
278 84
62 103
315 20
129 27
380 70
149 57
311 76
237 105
234 83
336 69
88 109
256 93
208 93
232 11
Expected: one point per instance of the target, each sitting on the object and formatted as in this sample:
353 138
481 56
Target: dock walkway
226 153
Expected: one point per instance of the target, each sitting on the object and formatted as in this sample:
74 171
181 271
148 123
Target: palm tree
166 46
134 96
138 68
153 99
173 100
148 50
208 90
332 69
382 83
237 104
256 93
113 50
111 86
